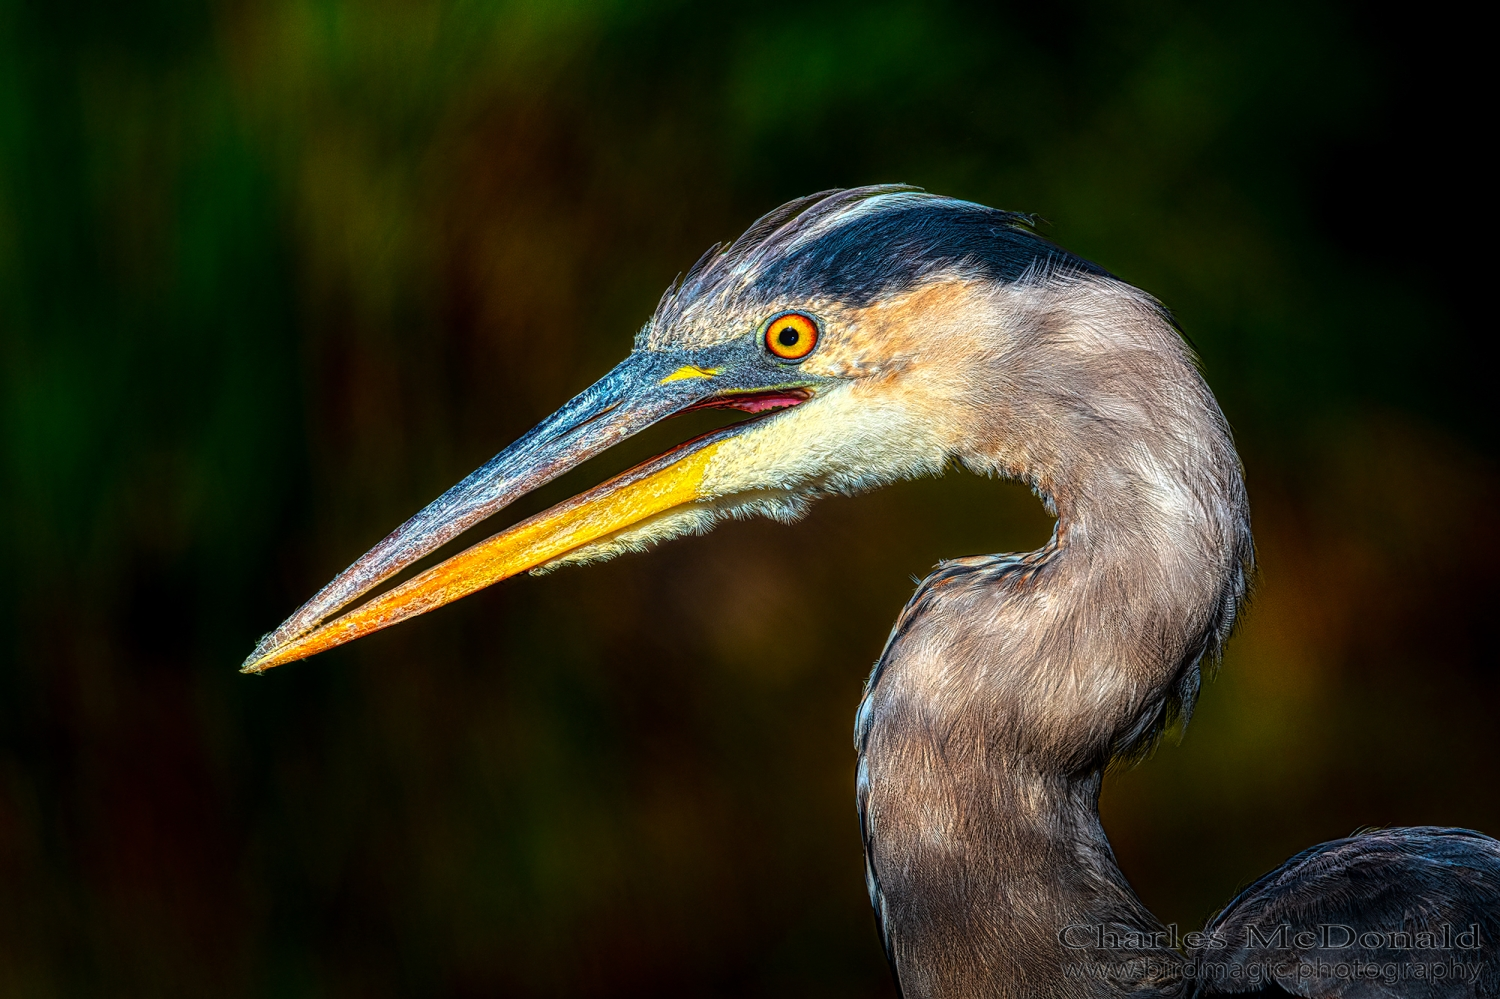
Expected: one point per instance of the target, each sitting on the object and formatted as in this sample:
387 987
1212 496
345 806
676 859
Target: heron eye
792 336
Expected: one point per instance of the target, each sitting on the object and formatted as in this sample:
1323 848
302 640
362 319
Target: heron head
842 322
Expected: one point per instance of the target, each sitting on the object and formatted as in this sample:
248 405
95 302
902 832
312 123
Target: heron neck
1095 401
1008 685
1020 898
1011 681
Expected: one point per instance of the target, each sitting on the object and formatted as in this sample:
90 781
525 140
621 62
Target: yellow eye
792 336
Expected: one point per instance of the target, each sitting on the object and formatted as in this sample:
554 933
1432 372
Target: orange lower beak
673 480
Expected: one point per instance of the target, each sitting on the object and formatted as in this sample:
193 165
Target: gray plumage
1009 682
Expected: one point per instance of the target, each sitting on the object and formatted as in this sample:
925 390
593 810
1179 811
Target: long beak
645 388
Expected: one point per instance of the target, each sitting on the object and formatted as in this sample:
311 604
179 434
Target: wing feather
1405 913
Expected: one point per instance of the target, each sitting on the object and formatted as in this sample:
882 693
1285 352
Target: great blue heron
881 333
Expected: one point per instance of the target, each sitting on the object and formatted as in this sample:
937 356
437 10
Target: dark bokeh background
272 275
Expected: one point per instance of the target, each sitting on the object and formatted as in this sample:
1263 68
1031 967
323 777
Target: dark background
273 275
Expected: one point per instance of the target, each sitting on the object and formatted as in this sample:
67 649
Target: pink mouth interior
755 402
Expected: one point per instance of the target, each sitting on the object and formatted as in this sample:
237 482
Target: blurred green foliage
274 274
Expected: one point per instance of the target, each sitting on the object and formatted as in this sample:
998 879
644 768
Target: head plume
851 247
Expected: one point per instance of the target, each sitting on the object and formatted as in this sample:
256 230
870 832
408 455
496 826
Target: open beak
647 387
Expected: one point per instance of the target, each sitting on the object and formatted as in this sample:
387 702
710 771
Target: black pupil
788 336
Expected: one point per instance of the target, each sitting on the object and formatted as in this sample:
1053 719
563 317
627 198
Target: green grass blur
272 275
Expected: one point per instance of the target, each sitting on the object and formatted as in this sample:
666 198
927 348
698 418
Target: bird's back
1411 913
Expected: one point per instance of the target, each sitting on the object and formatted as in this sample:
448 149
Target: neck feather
1010 681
